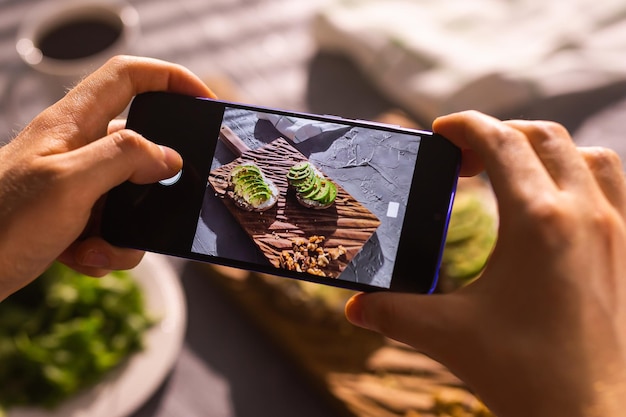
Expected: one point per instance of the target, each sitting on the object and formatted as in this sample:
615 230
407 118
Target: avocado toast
312 189
250 189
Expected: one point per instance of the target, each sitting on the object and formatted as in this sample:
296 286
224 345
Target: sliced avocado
322 192
310 185
242 187
244 169
300 166
259 197
314 189
306 185
298 184
252 183
253 188
246 177
299 171
332 194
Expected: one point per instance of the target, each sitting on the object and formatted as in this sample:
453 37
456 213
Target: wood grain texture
347 222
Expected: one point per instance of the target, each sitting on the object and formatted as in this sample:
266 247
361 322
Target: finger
105 94
120 156
115 125
607 169
430 323
95 257
471 163
556 150
513 167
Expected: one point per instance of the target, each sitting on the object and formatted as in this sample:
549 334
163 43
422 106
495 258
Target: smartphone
349 203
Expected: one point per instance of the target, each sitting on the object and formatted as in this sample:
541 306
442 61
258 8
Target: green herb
64 332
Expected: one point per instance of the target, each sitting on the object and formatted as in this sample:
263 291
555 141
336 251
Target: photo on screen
318 197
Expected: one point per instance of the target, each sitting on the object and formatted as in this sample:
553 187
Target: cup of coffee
67 40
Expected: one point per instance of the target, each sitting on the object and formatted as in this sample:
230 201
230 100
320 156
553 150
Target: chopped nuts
310 255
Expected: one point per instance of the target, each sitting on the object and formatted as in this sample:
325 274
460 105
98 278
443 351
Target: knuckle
549 128
556 220
120 66
551 217
605 224
599 157
605 220
546 210
139 157
546 131
128 141
119 61
473 114
504 136
500 133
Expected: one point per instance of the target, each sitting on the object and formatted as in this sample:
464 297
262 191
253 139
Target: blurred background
405 61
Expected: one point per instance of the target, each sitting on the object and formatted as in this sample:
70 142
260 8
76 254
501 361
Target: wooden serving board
347 223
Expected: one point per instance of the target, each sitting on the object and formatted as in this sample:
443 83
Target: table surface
227 367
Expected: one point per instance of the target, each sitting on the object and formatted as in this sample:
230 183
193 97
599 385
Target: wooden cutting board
347 223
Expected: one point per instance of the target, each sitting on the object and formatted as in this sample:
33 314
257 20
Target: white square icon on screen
392 209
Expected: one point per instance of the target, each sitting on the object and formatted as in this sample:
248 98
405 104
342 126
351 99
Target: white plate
127 388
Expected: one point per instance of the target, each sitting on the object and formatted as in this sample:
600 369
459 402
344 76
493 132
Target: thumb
429 323
120 156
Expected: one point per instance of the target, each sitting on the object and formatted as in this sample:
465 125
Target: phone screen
320 198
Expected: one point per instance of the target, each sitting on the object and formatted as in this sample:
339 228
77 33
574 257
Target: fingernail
354 312
171 157
95 259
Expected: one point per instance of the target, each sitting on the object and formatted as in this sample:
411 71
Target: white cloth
298 129
437 56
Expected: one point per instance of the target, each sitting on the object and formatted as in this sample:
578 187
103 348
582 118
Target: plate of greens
75 346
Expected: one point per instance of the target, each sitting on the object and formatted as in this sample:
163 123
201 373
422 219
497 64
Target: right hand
543 331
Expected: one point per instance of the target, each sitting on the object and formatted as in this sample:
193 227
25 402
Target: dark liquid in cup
79 38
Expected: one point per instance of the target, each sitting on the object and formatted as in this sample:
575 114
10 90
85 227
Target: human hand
53 173
543 330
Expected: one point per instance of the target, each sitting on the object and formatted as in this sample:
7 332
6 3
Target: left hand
53 173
